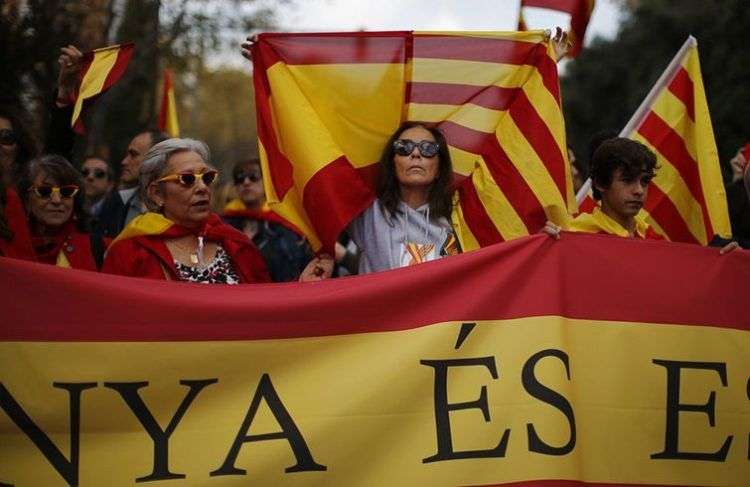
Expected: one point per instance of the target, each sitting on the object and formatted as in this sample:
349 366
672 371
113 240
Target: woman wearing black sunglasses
50 186
409 222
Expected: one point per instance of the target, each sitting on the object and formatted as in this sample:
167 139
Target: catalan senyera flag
384 379
327 103
580 13
168 121
686 200
101 69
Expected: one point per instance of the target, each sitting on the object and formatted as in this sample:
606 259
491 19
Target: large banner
591 360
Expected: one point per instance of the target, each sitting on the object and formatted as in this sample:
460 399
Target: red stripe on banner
568 6
539 136
475 215
335 48
587 205
547 68
503 171
491 97
124 54
663 210
482 285
682 87
330 215
465 48
672 147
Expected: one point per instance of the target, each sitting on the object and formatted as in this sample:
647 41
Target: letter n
289 432
68 469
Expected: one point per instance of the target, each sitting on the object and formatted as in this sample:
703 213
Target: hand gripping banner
588 361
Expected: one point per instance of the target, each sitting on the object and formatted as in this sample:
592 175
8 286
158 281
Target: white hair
155 162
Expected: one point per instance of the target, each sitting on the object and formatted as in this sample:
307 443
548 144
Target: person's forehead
186 160
417 133
141 141
5 123
94 162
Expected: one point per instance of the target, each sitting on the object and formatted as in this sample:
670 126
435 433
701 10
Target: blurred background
628 45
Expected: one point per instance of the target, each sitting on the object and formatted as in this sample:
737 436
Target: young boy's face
625 196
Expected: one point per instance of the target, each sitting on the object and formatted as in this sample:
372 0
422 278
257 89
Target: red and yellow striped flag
328 102
686 200
580 14
168 121
102 68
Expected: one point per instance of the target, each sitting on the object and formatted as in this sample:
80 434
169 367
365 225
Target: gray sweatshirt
390 241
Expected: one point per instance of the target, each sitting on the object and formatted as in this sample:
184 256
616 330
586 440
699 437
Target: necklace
195 255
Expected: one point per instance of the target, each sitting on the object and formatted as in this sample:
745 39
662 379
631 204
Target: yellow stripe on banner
93 81
496 204
370 427
359 104
173 125
671 183
531 36
474 73
466 238
463 161
711 178
546 106
673 112
270 189
469 115
533 170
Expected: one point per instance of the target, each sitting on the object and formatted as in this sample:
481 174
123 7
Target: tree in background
183 35
606 83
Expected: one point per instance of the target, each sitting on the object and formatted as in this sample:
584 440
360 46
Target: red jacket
148 255
70 248
18 247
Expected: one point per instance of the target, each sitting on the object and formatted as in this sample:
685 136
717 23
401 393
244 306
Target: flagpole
666 77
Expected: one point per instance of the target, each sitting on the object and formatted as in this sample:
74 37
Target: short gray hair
155 162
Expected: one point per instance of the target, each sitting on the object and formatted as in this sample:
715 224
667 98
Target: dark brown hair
27 147
440 197
632 157
62 172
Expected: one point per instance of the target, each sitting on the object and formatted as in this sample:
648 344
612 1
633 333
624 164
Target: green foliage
605 85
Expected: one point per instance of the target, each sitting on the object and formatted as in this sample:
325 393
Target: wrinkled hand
552 230
560 43
247 46
317 269
737 164
70 66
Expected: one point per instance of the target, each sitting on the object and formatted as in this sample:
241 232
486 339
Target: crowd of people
156 219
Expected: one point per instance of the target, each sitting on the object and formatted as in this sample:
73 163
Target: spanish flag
686 200
102 68
168 121
580 14
327 103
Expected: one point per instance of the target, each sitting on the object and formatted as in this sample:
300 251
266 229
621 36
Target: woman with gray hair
179 238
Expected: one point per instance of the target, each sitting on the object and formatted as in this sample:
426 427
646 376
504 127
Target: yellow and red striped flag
102 68
686 200
327 103
168 121
580 14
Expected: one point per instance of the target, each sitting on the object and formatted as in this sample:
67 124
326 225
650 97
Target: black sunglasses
46 191
189 178
98 173
427 148
253 177
7 137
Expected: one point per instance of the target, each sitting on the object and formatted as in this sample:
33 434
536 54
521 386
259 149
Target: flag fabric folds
328 102
580 14
686 200
101 69
168 121
483 369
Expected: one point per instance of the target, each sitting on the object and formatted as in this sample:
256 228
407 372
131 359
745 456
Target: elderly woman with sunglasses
180 238
50 186
409 221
